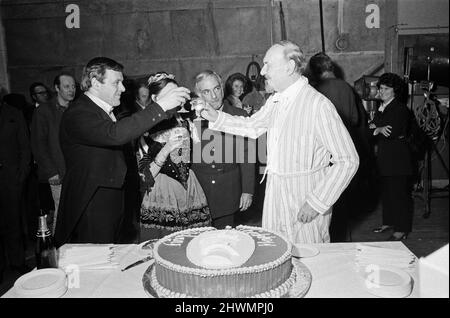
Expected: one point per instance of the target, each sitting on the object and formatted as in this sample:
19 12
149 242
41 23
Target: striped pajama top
310 158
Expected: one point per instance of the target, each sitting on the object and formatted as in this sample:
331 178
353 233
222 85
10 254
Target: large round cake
206 262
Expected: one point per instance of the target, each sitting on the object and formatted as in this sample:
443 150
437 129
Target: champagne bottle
45 250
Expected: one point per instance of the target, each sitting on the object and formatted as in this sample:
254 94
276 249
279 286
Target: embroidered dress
310 158
176 201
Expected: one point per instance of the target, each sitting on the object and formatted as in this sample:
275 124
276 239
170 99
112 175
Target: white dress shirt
107 108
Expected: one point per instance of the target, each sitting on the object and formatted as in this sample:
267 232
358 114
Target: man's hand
306 213
206 111
174 98
55 180
246 201
173 143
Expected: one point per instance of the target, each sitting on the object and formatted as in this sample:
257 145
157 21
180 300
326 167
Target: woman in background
391 128
142 96
176 201
236 87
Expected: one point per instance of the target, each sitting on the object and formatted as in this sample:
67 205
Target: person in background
390 127
256 98
39 93
142 96
91 207
15 157
35 195
323 71
310 155
225 170
236 87
176 201
45 138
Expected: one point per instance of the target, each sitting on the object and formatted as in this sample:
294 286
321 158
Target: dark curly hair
229 84
394 81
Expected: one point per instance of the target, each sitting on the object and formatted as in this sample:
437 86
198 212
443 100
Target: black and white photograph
211 151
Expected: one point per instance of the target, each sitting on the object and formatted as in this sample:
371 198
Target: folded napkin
91 256
371 255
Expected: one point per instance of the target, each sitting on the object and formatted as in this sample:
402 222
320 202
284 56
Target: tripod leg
436 150
427 184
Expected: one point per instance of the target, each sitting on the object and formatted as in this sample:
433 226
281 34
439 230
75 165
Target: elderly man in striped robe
310 155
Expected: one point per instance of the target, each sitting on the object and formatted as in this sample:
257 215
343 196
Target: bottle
45 250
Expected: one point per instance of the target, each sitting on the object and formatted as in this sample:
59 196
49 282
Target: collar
140 105
107 108
292 91
384 105
59 106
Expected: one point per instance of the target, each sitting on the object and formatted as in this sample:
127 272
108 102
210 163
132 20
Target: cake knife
146 259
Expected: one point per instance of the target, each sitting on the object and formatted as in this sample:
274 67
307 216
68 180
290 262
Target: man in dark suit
91 207
323 72
15 156
38 193
45 137
221 161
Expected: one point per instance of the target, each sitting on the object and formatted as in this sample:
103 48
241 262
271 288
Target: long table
333 270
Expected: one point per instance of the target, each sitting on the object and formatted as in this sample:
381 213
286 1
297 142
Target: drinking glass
197 104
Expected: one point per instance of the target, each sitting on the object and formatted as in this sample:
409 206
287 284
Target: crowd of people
107 168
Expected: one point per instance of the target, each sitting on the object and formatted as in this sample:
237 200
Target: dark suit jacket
394 156
15 152
223 183
45 141
92 145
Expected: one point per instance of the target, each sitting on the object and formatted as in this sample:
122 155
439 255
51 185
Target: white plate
220 249
304 251
387 281
42 283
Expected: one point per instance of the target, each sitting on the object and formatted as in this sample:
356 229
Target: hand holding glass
198 105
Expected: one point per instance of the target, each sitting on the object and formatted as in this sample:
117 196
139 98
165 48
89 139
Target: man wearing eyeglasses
39 94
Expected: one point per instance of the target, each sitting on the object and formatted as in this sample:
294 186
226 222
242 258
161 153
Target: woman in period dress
176 201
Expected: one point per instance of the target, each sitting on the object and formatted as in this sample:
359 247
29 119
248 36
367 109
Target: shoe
382 229
404 236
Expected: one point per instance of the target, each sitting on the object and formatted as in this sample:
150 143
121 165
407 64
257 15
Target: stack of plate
42 283
388 282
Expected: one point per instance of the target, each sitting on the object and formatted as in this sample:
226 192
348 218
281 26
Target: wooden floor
427 236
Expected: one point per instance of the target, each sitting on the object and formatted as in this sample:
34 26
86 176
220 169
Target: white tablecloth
334 274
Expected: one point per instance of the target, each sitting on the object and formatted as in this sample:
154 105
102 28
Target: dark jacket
15 152
343 98
394 156
92 145
45 141
223 182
